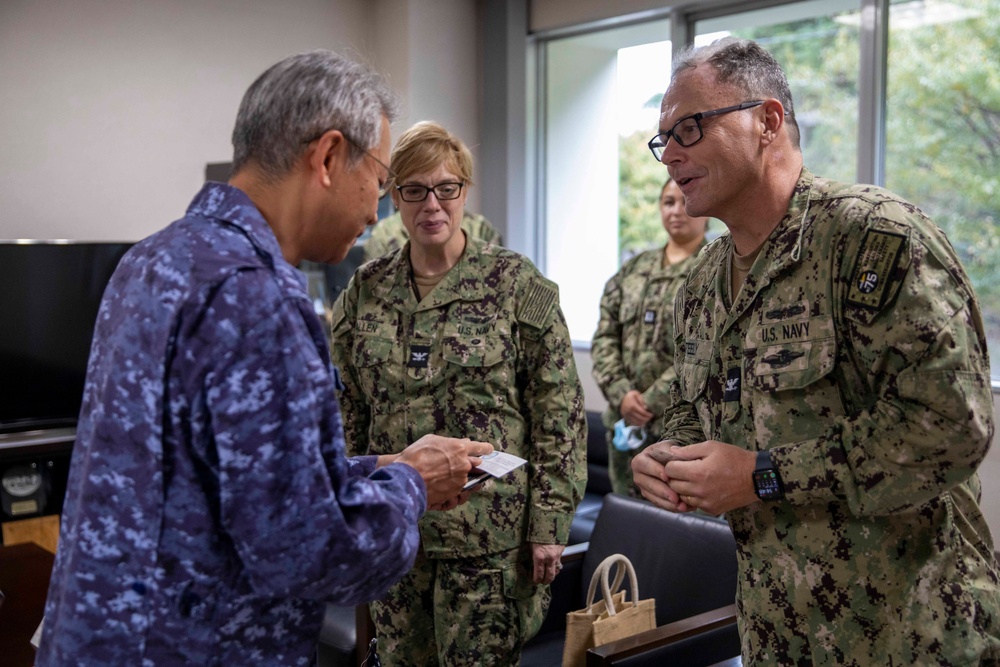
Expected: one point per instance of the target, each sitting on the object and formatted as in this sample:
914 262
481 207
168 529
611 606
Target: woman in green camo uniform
453 335
633 347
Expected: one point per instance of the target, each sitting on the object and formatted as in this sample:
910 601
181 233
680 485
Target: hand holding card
495 464
475 479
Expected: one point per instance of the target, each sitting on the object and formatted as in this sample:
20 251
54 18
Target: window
938 145
943 132
817 44
599 87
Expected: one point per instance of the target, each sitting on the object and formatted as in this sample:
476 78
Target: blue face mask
627 438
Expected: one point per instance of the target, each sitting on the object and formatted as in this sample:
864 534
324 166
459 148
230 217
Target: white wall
429 51
112 108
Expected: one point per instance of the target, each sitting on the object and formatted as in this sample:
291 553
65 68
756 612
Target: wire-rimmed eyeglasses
383 183
687 131
443 191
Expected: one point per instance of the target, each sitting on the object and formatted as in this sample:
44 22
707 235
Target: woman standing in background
633 347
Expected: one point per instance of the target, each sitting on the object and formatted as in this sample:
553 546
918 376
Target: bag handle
624 564
601 568
602 573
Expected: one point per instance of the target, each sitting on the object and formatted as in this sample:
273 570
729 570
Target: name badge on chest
649 317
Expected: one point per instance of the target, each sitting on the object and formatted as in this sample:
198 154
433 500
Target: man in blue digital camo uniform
832 394
211 511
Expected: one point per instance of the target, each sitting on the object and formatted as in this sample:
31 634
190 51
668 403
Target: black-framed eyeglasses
383 183
687 131
443 191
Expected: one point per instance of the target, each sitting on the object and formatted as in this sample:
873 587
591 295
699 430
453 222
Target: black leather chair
598 481
687 562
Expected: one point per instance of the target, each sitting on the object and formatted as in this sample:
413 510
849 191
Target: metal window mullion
873 65
681 31
538 105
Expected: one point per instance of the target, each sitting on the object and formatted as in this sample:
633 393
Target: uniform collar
671 270
231 205
463 283
779 251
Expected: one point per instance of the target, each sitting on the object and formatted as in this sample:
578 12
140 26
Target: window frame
872 93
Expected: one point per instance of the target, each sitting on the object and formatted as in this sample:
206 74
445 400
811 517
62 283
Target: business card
499 464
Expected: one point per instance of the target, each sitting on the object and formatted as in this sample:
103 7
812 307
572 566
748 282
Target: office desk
24 580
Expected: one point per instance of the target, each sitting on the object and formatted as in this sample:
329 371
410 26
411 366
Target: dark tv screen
49 297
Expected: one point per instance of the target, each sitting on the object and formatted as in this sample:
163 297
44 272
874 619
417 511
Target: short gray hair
745 64
300 98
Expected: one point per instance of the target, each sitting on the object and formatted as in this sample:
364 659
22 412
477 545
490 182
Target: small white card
496 464
499 464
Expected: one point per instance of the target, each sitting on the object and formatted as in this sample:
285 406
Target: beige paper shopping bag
610 618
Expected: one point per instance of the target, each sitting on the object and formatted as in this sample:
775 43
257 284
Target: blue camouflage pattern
211 510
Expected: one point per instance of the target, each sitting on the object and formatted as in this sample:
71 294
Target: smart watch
766 480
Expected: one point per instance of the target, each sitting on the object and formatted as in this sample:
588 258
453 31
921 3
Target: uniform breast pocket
793 365
376 361
629 308
476 352
480 372
693 365
795 391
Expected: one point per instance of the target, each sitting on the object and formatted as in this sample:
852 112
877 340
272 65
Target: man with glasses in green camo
832 394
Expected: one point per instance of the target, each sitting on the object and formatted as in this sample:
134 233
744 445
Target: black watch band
766 480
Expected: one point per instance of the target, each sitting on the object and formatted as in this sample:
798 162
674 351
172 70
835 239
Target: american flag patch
537 305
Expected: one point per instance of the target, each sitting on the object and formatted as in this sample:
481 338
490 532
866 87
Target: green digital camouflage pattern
862 366
633 348
424 606
389 234
485 355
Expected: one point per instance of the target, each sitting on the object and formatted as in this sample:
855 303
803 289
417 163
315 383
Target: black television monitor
49 296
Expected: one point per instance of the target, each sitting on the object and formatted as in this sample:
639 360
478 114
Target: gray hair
745 64
298 99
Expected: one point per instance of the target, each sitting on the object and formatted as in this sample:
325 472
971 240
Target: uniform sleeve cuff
413 503
362 466
804 468
549 527
616 393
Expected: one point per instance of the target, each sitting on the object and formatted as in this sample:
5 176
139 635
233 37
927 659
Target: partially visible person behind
211 511
390 234
456 336
633 347
832 395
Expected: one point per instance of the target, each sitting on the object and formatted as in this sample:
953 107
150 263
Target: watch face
767 484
